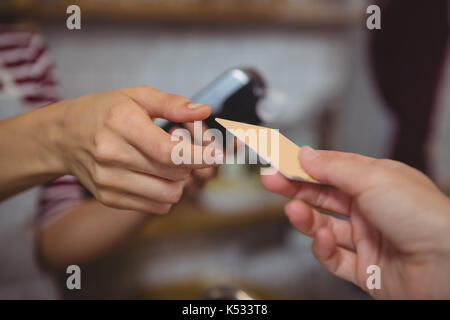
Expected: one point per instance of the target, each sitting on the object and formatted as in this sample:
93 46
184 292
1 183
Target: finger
194 155
192 187
351 173
205 174
366 236
278 183
190 126
168 106
139 184
113 150
308 221
196 138
198 180
156 144
172 129
325 197
114 199
203 137
338 261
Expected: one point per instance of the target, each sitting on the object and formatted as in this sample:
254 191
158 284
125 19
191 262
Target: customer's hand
110 142
397 220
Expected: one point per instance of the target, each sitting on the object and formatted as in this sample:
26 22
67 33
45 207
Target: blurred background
382 93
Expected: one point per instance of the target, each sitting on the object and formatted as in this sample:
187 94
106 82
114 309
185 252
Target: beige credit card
280 152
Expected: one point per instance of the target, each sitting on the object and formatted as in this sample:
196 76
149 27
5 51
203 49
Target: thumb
168 106
349 172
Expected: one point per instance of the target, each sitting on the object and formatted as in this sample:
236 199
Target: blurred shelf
313 13
189 217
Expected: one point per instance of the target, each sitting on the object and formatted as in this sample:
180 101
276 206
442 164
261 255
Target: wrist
50 136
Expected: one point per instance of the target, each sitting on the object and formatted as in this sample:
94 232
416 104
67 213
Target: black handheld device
234 95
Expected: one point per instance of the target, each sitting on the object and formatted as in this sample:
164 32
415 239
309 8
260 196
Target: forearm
28 153
87 231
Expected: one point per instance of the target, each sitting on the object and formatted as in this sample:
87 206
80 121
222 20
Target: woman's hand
397 220
109 141
199 177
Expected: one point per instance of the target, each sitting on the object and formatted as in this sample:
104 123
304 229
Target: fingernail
308 153
193 105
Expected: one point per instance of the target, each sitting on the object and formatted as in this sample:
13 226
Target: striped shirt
27 74
26 82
